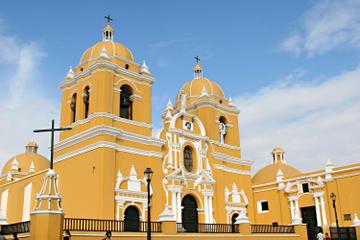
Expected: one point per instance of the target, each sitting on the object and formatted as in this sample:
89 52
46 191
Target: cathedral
199 175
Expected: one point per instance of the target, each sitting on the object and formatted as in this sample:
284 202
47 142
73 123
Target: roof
269 173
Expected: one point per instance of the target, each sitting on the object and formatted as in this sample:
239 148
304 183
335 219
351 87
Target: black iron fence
207 228
263 228
348 233
97 225
22 227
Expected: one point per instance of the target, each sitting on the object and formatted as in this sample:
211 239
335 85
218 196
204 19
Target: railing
348 233
262 228
207 228
22 227
97 225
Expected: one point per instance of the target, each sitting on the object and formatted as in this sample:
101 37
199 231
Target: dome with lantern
26 163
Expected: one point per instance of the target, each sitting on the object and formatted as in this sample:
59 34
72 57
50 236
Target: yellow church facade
199 173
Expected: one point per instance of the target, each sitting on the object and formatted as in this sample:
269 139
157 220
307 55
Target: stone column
317 208
292 209
211 209
179 217
206 208
322 204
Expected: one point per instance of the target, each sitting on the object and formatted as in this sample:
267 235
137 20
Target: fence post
47 219
301 230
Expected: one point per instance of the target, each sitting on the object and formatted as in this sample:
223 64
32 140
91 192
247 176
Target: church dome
107 47
270 172
27 162
198 86
113 49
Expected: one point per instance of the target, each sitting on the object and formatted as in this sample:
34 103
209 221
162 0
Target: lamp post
148 175
333 198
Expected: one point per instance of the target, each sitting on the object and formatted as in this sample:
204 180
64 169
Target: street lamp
148 175
333 198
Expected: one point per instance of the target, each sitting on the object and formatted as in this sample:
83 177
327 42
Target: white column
179 207
206 208
322 204
317 208
292 209
173 203
211 210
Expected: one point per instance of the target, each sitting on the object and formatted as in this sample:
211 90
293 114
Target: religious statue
222 128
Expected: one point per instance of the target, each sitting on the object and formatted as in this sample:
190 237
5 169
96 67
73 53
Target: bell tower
108 88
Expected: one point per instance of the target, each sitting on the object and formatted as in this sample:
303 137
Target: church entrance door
308 215
189 214
131 220
233 221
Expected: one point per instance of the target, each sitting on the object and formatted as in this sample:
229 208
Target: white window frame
259 206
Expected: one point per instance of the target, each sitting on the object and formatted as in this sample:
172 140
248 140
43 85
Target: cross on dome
197 68
108 32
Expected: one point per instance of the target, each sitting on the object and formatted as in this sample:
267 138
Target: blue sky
305 51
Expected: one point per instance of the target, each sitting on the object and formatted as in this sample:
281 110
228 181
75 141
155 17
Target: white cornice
230 159
104 144
225 145
112 117
115 69
310 176
187 134
107 130
212 103
231 170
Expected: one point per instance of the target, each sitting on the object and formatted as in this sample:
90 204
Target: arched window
125 102
86 98
131 219
222 129
188 158
73 108
189 214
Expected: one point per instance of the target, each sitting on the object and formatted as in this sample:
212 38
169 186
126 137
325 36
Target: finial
32 167
108 33
144 68
169 105
70 73
204 92
108 18
197 68
104 53
15 165
231 102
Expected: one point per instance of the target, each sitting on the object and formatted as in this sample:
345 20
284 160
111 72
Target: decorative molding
112 117
231 170
114 68
107 130
104 144
227 146
230 159
187 134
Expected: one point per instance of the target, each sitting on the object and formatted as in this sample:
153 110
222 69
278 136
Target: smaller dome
27 162
269 172
197 86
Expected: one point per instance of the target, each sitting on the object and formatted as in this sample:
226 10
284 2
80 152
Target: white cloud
325 26
312 121
23 107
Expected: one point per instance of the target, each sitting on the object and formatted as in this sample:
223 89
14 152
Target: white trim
230 159
27 203
112 117
149 80
107 130
231 170
105 144
313 176
187 134
259 206
264 190
225 145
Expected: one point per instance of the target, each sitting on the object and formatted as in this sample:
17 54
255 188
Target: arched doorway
233 221
189 214
131 219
